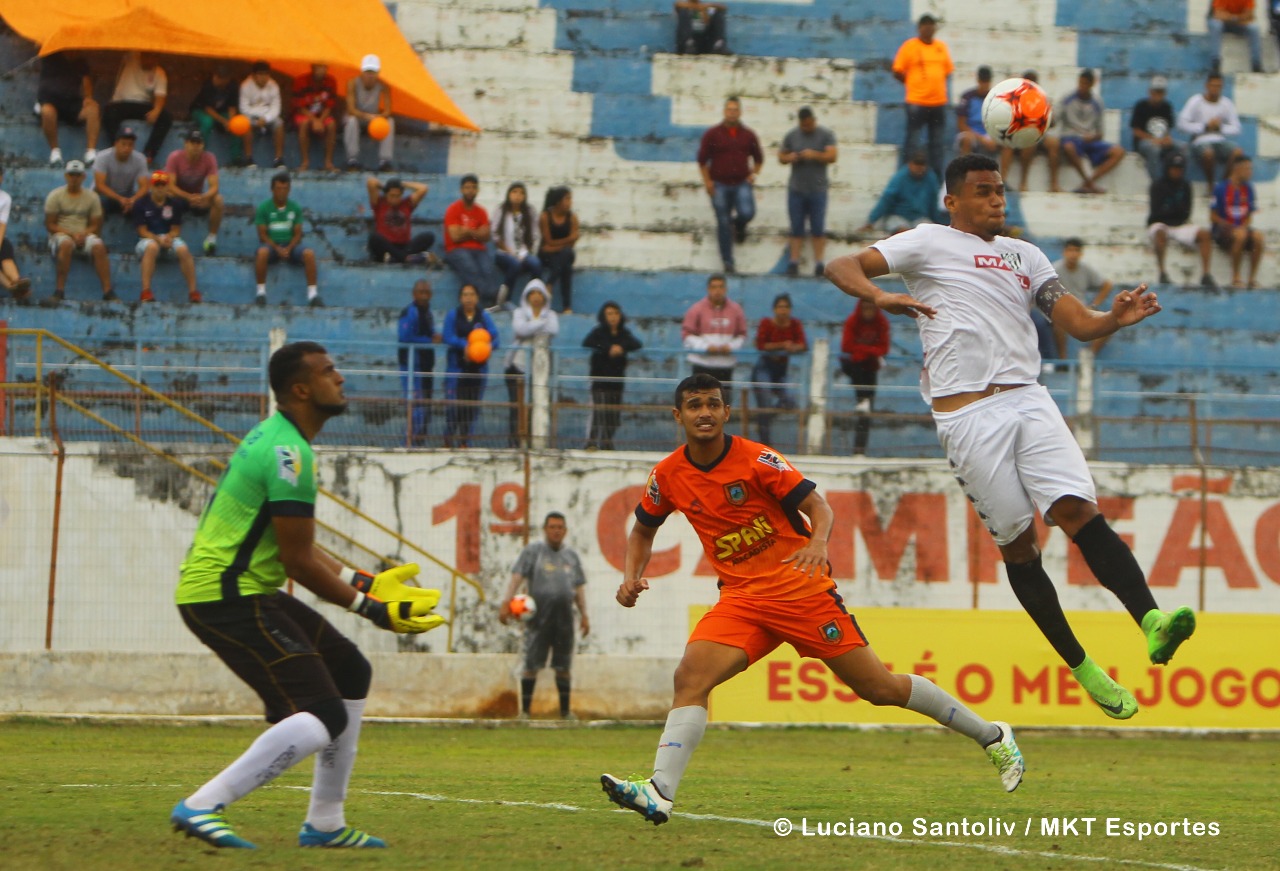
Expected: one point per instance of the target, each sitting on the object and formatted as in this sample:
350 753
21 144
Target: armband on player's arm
1048 295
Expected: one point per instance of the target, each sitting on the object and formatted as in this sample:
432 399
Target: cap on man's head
984 74
194 135
805 113
159 177
261 66
1175 159
74 167
282 178
1159 83
126 133
371 63
926 19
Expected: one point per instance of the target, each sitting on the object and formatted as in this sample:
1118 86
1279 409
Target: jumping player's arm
813 556
852 273
639 550
1128 308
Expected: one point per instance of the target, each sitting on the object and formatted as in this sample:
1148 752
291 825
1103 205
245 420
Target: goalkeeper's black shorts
276 644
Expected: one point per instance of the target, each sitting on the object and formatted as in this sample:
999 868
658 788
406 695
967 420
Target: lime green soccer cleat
1116 701
1166 631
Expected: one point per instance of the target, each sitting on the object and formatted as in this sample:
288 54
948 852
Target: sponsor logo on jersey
288 464
745 542
773 461
1009 261
831 632
736 492
651 491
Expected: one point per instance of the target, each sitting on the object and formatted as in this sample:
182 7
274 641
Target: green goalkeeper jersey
235 553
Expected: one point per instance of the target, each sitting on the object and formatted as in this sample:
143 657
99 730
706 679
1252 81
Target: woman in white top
516 237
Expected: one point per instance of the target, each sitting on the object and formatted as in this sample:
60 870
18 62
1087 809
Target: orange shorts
817 626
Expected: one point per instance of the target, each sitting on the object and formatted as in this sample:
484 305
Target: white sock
679 739
932 701
333 772
277 750
312 291
213 237
262 290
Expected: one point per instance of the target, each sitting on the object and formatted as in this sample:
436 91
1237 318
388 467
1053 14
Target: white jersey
983 291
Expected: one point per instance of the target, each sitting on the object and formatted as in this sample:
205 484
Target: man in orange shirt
924 64
749 508
1236 17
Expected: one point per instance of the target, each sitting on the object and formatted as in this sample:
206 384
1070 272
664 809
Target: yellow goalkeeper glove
402 616
389 586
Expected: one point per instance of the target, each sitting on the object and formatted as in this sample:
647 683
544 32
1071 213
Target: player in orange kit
749 508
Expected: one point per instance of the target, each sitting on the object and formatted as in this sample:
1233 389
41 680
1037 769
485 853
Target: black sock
1113 564
562 685
1040 600
526 692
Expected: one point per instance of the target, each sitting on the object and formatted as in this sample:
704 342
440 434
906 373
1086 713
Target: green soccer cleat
638 794
210 826
1007 758
1116 701
1165 632
310 836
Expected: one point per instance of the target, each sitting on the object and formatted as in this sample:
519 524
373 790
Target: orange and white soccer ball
1016 113
523 607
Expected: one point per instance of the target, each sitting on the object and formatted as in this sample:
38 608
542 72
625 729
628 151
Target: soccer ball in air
523 608
1016 113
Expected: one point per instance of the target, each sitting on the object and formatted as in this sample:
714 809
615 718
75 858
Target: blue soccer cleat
310 836
209 826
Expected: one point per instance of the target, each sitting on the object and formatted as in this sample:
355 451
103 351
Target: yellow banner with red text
1225 676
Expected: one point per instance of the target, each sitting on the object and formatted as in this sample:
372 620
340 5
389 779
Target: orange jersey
745 508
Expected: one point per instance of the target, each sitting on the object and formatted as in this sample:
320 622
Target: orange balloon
379 128
478 352
239 125
479 336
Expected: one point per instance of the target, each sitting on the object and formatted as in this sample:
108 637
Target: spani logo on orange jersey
749 537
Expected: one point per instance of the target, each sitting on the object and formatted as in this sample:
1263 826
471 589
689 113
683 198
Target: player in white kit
1006 440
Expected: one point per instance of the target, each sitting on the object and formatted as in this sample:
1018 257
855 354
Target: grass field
89 796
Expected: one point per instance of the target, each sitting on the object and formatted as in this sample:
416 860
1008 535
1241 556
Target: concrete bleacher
587 93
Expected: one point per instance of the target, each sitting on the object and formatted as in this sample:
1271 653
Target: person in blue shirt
910 198
464 378
972 135
417 327
158 217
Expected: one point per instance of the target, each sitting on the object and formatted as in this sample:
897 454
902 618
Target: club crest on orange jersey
831 632
773 461
651 491
736 492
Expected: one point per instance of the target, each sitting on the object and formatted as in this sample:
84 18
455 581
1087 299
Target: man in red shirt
314 96
466 242
392 239
730 159
864 342
764 527
191 168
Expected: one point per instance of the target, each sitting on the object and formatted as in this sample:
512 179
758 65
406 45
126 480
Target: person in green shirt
257 531
279 223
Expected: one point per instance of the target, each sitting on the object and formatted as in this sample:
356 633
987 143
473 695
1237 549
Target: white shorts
1184 234
90 242
144 244
1013 455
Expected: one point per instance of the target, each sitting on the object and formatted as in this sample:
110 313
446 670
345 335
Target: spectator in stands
516 239
777 338
260 102
216 103
1210 118
466 241
73 217
558 234
1152 127
193 171
1085 283
1234 202
417 327
714 328
1049 145
971 131
924 65
142 89
700 27
1235 17
910 199
730 159
158 217
863 345
120 175
808 149
1170 218
464 378
1082 115
368 97
315 96
65 95
532 318
392 239
10 278
610 341
279 223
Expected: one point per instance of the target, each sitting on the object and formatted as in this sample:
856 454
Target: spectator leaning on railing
863 345
417 327
610 342
714 328
777 338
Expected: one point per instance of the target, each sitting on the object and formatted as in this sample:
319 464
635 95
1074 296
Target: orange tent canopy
291 34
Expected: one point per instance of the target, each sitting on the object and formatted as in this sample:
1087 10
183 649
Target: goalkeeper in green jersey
256 532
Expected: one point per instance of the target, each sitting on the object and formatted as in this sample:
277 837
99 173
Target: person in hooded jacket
464 379
610 341
532 318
